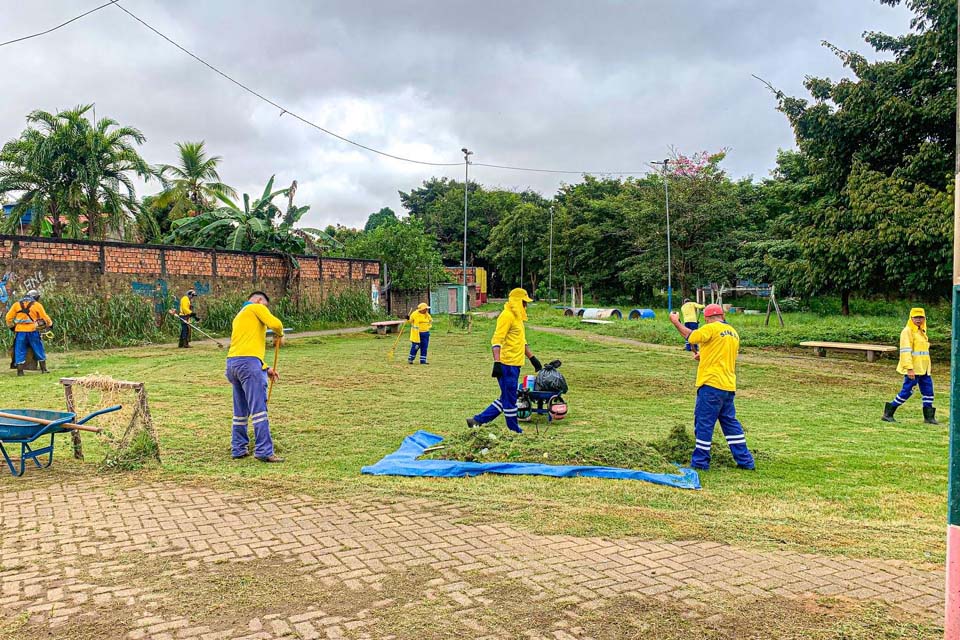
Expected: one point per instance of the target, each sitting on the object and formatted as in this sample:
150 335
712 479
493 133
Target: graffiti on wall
13 287
201 289
156 290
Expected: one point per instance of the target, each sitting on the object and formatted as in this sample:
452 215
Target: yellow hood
515 303
423 306
917 311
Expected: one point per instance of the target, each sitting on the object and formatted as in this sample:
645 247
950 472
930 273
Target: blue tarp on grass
403 462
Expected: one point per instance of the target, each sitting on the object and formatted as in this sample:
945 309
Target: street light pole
466 190
550 270
666 198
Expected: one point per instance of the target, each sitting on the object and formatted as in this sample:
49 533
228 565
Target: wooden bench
873 351
387 326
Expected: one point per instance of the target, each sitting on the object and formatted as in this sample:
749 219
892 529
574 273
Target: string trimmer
197 329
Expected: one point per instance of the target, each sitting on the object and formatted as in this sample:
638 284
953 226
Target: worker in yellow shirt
509 345
25 318
716 387
248 374
420 324
186 314
690 313
915 366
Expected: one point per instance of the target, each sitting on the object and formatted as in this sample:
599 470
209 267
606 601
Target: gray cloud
604 85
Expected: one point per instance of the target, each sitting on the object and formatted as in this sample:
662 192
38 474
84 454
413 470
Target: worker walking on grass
915 367
25 318
509 348
690 312
248 374
186 314
420 324
716 387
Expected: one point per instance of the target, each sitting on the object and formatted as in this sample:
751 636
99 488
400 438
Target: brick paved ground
155 562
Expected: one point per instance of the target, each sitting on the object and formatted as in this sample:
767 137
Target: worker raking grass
915 366
420 324
249 375
716 387
509 345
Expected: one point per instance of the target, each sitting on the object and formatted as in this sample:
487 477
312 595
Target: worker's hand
911 374
272 374
696 356
675 318
497 370
279 339
536 364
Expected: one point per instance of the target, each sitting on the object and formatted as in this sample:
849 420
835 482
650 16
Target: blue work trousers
717 405
421 346
506 403
22 340
693 326
925 383
249 380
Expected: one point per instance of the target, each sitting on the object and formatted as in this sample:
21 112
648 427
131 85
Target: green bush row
83 321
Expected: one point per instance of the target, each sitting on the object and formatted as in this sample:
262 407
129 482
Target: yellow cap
917 311
422 306
521 294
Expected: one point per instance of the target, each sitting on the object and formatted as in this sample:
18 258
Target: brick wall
104 268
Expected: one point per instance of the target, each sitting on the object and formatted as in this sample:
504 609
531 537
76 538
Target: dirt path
78 560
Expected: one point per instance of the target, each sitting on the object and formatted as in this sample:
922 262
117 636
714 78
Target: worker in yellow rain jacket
25 318
509 344
915 367
186 314
690 313
420 324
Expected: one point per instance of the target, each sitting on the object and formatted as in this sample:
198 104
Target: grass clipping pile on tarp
128 435
496 443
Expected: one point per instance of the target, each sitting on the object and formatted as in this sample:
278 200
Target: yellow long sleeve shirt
914 352
511 336
24 321
186 309
420 321
689 311
249 336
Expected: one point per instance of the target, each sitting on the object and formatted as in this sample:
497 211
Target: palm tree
192 187
68 169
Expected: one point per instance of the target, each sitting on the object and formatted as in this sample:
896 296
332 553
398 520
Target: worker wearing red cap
716 387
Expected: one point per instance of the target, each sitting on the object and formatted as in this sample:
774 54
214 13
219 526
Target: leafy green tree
192 186
259 225
888 130
410 254
380 218
523 232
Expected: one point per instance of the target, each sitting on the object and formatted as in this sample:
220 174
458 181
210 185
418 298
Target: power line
43 33
283 110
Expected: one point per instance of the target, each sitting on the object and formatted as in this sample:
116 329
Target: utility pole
951 627
666 199
521 255
466 191
550 269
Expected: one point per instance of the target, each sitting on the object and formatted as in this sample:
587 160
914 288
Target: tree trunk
845 302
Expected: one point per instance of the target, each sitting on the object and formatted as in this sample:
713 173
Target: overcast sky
567 84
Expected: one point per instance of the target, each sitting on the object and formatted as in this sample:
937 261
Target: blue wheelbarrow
25 426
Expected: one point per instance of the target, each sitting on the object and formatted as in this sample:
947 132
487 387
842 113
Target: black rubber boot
930 415
888 411
43 366
19 369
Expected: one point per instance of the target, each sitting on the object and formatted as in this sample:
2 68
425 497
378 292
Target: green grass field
832 478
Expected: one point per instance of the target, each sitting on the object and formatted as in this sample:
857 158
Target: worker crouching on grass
915 366
25 318
716 387
185 315
248 374
509 348
420 324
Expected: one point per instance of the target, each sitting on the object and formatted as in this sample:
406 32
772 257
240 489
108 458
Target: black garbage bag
550 379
